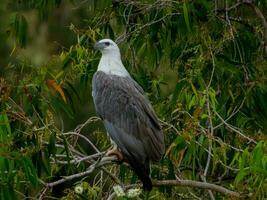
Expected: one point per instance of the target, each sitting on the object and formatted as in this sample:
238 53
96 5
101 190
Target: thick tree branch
195 184
183 183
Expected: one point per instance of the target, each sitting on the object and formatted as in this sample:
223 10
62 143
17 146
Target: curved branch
195 184
184 183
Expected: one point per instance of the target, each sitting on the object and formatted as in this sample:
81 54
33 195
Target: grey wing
128 116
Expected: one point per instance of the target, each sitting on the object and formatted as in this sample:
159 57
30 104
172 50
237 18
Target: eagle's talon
117 153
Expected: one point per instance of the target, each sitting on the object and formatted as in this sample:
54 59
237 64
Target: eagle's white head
110 62
107 46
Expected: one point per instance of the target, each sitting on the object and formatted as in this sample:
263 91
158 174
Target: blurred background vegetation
202 64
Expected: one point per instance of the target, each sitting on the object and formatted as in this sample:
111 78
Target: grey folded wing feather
128 116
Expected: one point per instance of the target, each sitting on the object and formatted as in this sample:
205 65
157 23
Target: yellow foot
115 152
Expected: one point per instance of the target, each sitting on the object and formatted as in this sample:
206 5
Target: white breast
112 64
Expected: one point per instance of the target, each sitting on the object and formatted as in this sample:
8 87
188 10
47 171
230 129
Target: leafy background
202 64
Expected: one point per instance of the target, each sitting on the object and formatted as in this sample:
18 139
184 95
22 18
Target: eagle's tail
142 170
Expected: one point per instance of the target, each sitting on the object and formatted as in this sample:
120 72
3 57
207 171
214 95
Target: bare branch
78 160
184 183
103 161
124 36
156 183
195 184
85 138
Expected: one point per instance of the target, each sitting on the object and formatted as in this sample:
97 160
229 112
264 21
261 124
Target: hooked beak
99 46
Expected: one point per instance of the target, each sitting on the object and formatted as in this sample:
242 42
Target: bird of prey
127 114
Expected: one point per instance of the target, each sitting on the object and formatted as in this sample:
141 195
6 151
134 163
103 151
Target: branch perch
156 183
98 161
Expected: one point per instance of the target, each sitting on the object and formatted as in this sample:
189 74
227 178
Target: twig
235 111
258 13
78 129
85 138
77 161
263 20
43 193
112 196
235 130
63 147
124 36
88 121
228 20
112 176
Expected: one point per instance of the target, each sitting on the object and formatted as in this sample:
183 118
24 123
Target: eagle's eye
107 44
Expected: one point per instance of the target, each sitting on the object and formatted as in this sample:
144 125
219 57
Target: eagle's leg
114 151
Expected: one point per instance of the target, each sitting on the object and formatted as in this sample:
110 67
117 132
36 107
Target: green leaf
180 143
186 17
5 130
4 124
178 89
30 171
20 27
52 144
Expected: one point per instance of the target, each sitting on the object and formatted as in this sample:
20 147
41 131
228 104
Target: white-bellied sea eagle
127 114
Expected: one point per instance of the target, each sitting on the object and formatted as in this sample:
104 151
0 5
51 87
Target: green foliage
16 169
19 28
82 191
202 66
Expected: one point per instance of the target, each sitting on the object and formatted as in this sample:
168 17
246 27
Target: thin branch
112 176
88 121
258 13
263 20
43 193
235 130
103 161
228 20
111 196
124 36
79 160
85 138
235 111
78 129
